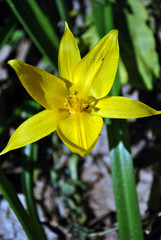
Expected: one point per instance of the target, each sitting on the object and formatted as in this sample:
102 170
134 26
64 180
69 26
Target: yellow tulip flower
76 101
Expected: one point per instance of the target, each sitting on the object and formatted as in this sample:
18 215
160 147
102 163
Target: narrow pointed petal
123 107
69 55
35 128
45 88
96 71
80 132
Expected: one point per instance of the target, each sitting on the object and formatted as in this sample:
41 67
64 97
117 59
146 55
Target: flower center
74 104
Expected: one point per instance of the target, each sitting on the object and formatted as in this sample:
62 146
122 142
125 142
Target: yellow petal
80 132
95 73
35 128
69 55
123 107
45 88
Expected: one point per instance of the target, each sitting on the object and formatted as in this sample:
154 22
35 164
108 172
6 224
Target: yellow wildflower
76 101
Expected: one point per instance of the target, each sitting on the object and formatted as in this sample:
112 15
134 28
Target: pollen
75 105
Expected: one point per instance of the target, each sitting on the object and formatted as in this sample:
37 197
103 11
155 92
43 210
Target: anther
75 93
70 97
85 105
66 104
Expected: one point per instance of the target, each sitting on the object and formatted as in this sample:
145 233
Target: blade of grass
10 195
30 156
127 209
37 26
62 9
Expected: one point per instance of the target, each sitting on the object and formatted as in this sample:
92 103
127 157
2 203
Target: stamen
85 105
74 104
66 104
70 97
75 93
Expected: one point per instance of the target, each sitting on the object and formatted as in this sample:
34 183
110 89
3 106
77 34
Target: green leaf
37 26
62 7
16 36
144 42
7 30
10 195
127 209
138 47
124 182
30 156
100 12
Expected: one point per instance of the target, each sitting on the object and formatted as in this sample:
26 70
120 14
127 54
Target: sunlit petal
95 73
80 132
45 88
69 55
123 107
35 128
